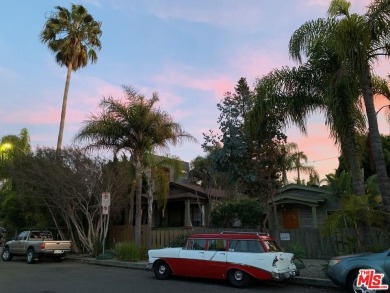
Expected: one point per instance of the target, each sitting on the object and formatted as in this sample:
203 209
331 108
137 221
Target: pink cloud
320 149
219 85
253 63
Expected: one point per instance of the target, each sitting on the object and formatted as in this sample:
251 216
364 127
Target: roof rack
247 233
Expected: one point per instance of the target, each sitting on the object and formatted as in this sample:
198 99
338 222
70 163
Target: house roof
193 191
301 194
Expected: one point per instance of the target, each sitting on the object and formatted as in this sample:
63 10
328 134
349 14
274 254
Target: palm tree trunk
63 111
150 212
138 203
132 193
353 160
376 143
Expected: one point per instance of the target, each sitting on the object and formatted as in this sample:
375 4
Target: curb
142 266
313 282
112 263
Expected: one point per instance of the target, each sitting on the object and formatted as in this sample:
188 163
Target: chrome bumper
149 266
286 275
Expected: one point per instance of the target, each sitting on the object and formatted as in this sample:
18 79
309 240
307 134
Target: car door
214 263
18 246
191 258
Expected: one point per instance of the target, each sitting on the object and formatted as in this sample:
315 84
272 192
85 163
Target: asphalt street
52 277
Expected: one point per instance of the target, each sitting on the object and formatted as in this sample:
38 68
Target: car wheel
6 255
238 278
30 257
352 281
162 271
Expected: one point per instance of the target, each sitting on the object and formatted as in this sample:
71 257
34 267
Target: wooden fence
306 243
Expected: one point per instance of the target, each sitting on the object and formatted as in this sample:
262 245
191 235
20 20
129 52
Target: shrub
248 211
179 241
297 249
127 251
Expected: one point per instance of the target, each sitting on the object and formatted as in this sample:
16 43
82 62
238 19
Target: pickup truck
36 243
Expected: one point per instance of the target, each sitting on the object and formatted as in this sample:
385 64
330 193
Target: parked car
36 243
344 271
237 257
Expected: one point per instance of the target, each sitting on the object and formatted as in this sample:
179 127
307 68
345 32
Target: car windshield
271 246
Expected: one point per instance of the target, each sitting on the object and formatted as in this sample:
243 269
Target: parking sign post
106 202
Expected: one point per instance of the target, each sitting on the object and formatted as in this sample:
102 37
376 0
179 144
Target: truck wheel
6 255
238 278
30 257
162 271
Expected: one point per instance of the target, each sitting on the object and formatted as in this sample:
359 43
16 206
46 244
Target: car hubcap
161 270
238 275
5 254
361 289
29 256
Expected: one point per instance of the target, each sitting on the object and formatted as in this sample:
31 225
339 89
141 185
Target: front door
290 219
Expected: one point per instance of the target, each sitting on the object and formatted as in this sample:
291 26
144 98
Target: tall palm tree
358 40
312 87
136 126
73 36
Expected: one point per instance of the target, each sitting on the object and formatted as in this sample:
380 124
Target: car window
271 246
245 246
196 244
22 236
217 244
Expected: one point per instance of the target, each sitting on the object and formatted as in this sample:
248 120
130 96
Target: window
271 246
22 235
196 244
245 246
217 244
196 216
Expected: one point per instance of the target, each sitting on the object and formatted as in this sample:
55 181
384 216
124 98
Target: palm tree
73 36
298 92
354 210
299 161
135 126
358 40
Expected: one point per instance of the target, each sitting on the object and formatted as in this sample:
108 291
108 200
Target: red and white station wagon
237 257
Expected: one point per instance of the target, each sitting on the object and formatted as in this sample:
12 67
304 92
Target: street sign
105 210
106 199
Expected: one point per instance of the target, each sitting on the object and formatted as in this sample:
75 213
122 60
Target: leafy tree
203 172
357 40
71 190
229 151
16 211
136 126
248 149
73 36
247 212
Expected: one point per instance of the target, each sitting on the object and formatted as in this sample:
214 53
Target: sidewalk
313 274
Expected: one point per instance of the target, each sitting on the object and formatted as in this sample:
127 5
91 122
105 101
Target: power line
322 160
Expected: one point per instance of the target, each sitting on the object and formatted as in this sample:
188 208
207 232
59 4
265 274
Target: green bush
127 251
179 241
248 211
297 249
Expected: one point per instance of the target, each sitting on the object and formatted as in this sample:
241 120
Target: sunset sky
190 51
